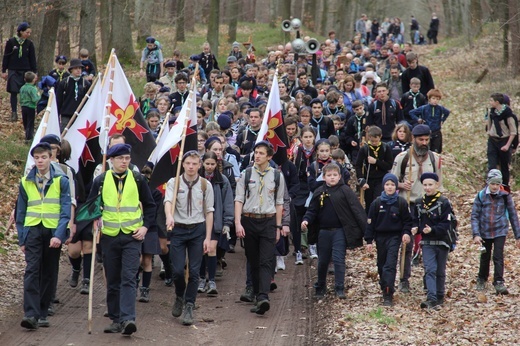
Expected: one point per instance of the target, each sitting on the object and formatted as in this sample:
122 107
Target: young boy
389 223
434 116
60 72
354 130
89 70
412 99
431 219
374 160
492 208
42 215
336 212
29 98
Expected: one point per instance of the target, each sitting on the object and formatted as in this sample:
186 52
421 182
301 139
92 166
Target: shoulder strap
432 159
247 177
402 205
377 204
203 185
276 182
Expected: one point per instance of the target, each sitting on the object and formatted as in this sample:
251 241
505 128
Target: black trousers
28 115
387 252
497 245
42 264
259 243
498 157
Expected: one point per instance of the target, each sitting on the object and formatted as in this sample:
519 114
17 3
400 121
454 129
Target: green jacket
29 96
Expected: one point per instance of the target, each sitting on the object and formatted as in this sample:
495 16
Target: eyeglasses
123 158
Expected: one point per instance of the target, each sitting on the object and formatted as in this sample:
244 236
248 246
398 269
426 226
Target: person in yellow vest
128 212
42 215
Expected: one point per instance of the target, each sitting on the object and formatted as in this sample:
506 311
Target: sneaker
202 285
162 272
212 288
429 304
387 300
262 306
187 318
231 248
220 270
168 282
280 263
404 286
273 285
313 251
114 327
29 323
50 310
500 288
440 300
177 307
319 293
248 295
144 296
44 322
299 258
330 269
481 284
85 286
74 277
128 327
340 292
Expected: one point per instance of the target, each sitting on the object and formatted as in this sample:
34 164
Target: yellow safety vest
128 217
44 210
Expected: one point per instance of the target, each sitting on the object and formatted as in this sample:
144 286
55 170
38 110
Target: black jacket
437 217
388 218
11 61
66 96
382 166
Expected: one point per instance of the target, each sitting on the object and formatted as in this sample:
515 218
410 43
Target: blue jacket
432 116
489 215
21 206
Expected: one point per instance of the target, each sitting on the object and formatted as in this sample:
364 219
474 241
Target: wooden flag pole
408 196
45 118
159 135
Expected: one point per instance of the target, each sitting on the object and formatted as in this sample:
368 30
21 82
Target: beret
429 175
43 145
23 26
51 139
224 120
210 140
170 63
150 39
119 149
60 58
421 130
264 144
315 100
195 57
231 59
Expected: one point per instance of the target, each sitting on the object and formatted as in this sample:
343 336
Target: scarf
414 97
383 112
120 178
428 201
497 117
20 44
403 146
209 176
40 183
375 150
420 160
76 87
261 174
318 122
190 185
359 126
389 199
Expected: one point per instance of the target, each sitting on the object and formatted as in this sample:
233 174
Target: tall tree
104 25
47 44
189 12
121 33
213 25
179 31
64 35
233 20
514 25
284 9
143 20
87 28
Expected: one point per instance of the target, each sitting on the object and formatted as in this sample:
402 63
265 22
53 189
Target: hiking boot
280 263
313 251
404 286
340 292
29 323
501 288
388 300
144 296
481 284
168 282
44 322
212 288
74 277
220 270
330 268
440 300
299 258
50 310
187 318
273 285
177 307
14 117
85 286
262 306
248 295
319 293
429 304
114 327
202 285
231 248
128 327
162 272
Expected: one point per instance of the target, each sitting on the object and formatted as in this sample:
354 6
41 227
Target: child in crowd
305 116
336 212
431 219
401 139
433 115
389 224
147 101
89 71
60 72
153 120
412 99
29 98
354 133
493 207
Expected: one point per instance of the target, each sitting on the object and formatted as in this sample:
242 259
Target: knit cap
494 177
390 176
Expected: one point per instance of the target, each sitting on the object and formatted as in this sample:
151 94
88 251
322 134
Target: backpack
515 142
392 101
481 193
406 158
247 177
453 233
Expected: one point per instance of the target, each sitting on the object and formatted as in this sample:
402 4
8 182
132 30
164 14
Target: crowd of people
362 163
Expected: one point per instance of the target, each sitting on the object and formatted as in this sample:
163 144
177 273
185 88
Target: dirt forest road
221 320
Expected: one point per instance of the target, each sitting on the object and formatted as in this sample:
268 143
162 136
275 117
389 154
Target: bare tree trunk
121 33
514 24
309 9
189 11
47 44
87 28
143 20
179 30
64 35
285 9
213 26
509 28
446 4
104 25
233 20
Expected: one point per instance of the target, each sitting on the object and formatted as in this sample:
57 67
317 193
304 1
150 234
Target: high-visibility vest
44 210
128 216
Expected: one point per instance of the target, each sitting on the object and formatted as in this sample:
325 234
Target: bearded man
408 167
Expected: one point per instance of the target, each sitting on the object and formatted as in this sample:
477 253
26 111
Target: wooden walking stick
408 194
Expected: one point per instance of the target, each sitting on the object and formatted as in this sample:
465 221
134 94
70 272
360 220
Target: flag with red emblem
273 127
167 153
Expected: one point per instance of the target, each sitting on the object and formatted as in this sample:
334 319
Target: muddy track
221 320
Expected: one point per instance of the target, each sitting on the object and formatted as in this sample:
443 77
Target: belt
190 226
258 216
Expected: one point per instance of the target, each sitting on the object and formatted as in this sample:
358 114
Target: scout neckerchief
76 87
190 185
414 97
497 117
40 184
420 160
375 149
120 179
20 44
261 174
323 195
318 122
428 201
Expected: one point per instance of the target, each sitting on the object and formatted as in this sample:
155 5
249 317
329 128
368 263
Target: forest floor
467 318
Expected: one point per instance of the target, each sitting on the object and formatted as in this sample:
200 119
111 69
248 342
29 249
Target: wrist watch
279 226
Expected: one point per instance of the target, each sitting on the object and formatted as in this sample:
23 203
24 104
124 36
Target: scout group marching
344 123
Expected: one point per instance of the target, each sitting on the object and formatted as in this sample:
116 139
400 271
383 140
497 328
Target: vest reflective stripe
128 217
46 210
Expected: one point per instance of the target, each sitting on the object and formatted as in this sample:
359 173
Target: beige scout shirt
508 128
252 203
417 188
180 214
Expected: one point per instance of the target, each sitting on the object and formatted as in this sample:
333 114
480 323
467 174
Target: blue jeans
331 245
121 258
192 241
387 253
435 258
